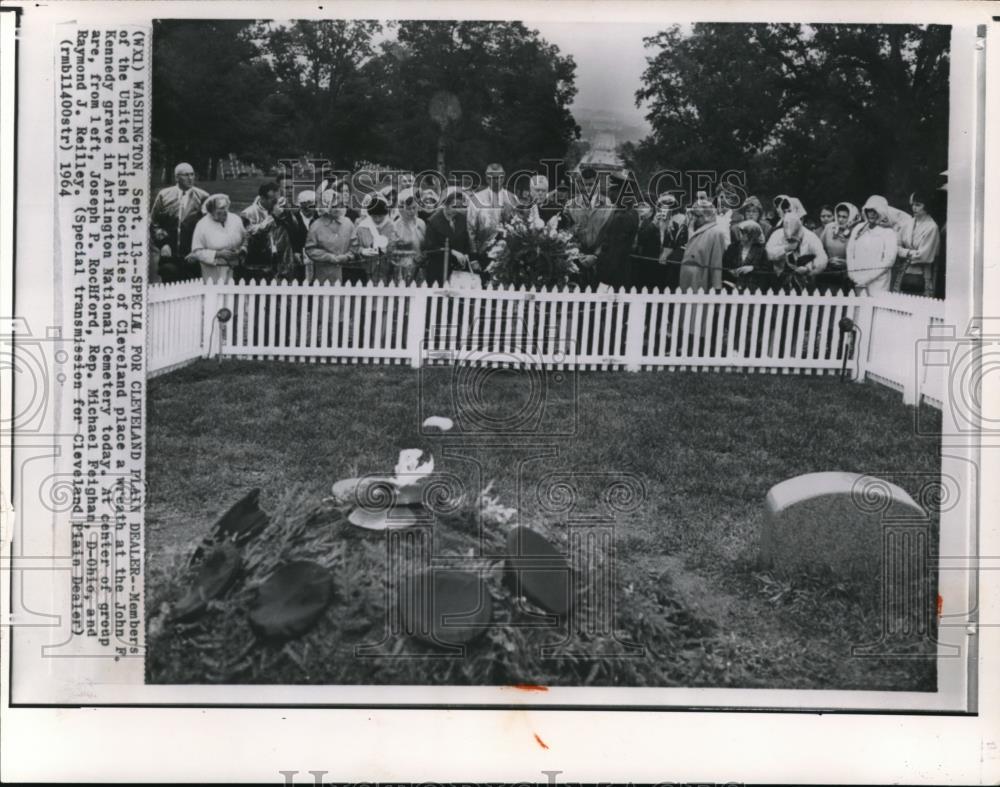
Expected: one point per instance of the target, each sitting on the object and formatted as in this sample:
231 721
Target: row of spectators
401 233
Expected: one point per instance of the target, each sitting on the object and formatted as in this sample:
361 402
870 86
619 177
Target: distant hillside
595 123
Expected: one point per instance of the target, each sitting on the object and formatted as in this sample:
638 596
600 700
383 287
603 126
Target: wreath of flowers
532 254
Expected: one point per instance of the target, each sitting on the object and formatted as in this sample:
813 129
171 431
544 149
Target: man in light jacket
871 250
487 209
796 253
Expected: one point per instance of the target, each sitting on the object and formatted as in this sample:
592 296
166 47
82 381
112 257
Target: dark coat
761 277
186 234
298 228
439 231
614 263
646 270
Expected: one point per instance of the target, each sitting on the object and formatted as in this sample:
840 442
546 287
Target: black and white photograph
489 353
544 392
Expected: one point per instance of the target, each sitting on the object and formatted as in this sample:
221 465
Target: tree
324 70
513 90
211 94
826 112
328 89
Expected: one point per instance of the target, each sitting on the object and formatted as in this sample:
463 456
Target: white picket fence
417 325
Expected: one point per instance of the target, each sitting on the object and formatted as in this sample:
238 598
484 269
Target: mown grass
705 447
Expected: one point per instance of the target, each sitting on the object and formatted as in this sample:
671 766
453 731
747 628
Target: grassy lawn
707 447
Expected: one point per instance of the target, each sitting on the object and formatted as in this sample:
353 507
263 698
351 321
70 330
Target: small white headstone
832 520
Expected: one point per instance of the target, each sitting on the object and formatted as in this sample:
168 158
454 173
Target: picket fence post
864 321
415 328
635 329
916 330
210 305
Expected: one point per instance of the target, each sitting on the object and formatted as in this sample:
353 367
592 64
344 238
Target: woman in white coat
871 251
219 240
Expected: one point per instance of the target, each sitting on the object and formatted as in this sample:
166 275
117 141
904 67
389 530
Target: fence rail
417 324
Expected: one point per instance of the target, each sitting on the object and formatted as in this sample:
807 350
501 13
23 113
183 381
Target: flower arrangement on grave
530 253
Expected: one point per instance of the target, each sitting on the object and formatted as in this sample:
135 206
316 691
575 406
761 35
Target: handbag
464 280
912 283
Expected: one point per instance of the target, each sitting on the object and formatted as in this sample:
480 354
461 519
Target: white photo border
974 118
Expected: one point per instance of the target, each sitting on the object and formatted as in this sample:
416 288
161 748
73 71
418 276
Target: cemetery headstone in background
832 520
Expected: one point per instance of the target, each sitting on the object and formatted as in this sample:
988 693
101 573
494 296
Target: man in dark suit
614 258
448 223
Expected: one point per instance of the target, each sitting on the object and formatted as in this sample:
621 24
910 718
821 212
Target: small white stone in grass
392 519
439 422
413 465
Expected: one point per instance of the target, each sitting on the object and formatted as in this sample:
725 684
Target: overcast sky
609 59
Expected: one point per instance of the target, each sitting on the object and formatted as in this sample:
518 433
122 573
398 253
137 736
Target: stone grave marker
833 520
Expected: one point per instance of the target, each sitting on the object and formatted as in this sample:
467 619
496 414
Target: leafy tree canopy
825 112
340 90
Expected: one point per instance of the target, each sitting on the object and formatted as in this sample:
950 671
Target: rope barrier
722 268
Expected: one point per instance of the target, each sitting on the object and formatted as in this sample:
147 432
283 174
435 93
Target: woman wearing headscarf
835 236
795 253
796 256
376 238
871 250
918 248
218 242
753 210
837 233
784 204
745 261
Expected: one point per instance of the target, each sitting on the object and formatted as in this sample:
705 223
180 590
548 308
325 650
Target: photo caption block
102 117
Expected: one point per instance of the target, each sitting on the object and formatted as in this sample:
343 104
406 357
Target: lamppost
444 109
222 316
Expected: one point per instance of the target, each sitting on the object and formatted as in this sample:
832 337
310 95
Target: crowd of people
627 238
